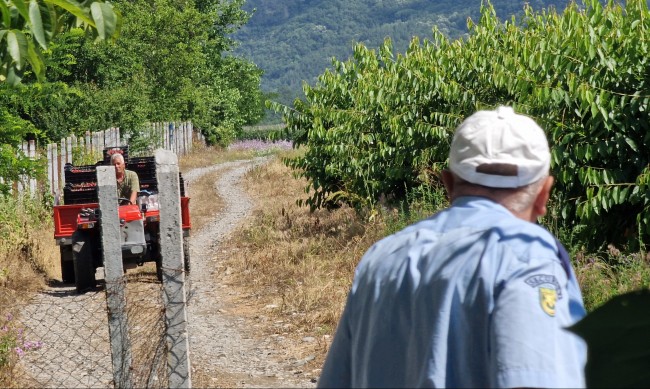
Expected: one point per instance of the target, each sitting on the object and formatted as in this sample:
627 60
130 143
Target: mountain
294 40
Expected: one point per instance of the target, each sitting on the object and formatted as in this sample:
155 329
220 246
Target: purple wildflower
32 345
19 351
260 145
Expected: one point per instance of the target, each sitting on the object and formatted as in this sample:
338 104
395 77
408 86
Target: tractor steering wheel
123 201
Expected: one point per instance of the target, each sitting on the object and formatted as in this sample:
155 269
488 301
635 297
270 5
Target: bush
378 124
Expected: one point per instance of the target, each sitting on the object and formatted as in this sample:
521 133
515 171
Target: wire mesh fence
61 338
123 330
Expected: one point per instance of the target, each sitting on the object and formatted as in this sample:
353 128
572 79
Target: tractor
77 222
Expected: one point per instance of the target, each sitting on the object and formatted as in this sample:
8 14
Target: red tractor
77 226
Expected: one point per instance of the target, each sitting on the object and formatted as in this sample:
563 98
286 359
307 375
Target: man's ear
539 206
448 181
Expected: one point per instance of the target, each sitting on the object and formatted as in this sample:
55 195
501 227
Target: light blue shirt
471 297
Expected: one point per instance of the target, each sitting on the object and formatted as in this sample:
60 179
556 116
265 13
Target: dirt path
226 347
225 350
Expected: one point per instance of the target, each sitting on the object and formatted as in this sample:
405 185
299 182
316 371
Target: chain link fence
60 339
129 330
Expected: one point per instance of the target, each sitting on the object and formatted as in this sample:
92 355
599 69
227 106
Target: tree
27 28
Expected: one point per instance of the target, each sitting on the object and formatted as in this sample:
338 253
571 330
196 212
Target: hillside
294 40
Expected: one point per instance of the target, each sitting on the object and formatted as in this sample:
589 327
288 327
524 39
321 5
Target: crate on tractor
109 151
80 184
77 225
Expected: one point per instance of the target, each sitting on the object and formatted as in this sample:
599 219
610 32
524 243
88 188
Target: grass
27 256
302 262
605 275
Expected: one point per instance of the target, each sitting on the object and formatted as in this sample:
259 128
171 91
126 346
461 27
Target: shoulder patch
549 291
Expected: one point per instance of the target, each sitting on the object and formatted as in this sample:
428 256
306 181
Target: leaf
632 144
75 9
13 77
618 341
105 19
37 23
22 8
6 14
36 60
17 47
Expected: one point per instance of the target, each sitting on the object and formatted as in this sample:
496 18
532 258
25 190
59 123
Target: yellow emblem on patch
547 299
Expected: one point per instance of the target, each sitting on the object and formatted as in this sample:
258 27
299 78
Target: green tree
27 27
171 62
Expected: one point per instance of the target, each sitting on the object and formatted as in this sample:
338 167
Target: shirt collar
479 202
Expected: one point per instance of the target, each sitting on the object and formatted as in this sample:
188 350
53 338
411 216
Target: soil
231 344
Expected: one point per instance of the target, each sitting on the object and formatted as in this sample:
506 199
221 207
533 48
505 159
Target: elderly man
128 184
478 295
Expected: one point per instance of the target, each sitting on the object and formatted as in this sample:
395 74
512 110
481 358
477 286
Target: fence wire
60 339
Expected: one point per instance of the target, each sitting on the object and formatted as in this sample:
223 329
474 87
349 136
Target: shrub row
379 124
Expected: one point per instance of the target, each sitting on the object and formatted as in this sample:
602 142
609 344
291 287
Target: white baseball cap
499 149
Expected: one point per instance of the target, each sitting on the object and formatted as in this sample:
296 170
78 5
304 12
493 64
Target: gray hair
115 157
516 200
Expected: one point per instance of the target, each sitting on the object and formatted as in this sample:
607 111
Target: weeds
13 346
604 276
27 256
13 343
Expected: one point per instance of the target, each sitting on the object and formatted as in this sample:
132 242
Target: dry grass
202 156
300 263
27 255
205 203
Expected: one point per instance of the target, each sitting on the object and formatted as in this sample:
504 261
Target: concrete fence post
171 244
114 275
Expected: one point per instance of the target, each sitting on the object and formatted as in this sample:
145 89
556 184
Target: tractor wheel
158 251
186 253
67 264
159 269
82 255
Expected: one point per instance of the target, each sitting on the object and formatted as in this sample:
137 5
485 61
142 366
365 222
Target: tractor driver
128 184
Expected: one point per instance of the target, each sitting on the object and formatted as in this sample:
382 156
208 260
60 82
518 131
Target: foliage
379 124
27 27
13 162
618 338
294 40
269 132
171 62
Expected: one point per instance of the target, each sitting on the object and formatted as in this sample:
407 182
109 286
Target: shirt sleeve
135 182
337 369
529 343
